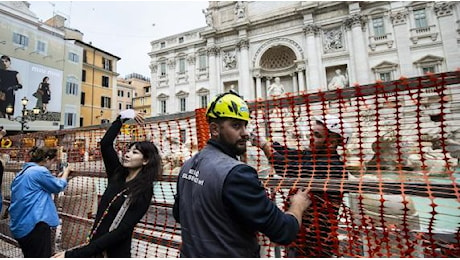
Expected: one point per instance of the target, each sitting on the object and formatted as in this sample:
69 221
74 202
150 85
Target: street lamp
24 118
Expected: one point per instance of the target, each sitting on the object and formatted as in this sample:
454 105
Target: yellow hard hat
228 105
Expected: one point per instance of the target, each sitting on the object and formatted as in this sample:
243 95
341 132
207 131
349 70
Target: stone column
356 23
301 78
213 85
401 30
295 86
444 13
258 93
313 78
244 85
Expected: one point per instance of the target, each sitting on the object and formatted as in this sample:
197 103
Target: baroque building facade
303 46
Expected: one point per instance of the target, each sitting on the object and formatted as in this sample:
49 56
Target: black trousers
37 244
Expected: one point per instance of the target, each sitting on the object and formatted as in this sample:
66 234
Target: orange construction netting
398 195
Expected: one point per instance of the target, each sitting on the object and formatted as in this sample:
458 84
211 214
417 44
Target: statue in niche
208 16
229 60
239 9
338 81
276 89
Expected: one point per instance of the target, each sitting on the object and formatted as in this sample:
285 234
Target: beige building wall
53 54
98 103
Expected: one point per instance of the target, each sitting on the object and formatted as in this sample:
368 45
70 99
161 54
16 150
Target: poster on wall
41 85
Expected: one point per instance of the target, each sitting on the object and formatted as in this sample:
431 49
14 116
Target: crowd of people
220 203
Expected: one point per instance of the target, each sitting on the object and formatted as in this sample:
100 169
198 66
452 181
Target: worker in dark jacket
220 202
318 234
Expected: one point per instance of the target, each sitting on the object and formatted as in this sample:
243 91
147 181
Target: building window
385 76
120 106
162 45
107 64
41 47
129 106
379 29
71 88
182 104
85 56
183 135
181 39
69 119
105 102
204 101
428 69
147 89
73 57
120 93
163 106
83 75
420 18
128 94
181 65
20 39
82 99
105 121
105 81
163 69
202 62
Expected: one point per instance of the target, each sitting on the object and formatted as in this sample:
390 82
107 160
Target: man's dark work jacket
221 204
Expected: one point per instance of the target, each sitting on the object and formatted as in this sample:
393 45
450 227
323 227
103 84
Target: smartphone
62 165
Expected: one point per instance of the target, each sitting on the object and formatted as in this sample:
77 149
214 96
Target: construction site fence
399 198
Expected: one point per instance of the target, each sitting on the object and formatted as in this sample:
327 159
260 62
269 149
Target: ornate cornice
213 50
399 17
310 29
243 44
443 8
191 59
355 20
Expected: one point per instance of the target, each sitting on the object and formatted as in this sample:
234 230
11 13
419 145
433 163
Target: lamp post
24 118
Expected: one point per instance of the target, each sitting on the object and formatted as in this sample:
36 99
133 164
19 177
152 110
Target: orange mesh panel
398 195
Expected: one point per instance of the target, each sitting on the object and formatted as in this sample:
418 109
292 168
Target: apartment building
37 50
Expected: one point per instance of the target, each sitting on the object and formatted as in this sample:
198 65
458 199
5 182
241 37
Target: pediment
429 59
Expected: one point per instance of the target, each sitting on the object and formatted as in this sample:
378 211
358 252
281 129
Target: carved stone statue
239 9
229 60
276 89
338 81
208 16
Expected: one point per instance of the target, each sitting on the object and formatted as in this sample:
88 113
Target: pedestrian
32 210
220 202
320 161
127 196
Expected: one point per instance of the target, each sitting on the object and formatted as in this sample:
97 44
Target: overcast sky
125 28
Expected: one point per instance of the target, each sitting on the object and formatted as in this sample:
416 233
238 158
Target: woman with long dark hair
127 196
32 210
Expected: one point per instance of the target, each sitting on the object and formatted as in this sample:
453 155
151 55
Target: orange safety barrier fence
398 195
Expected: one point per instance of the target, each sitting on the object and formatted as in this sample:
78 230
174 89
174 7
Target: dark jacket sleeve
109 155
247 200
176 211
133 215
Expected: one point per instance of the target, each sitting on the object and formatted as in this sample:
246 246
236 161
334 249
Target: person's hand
257 140
132 114
2 132
59 255
301 199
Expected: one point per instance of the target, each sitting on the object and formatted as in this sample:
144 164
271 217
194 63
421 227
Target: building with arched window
306 46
